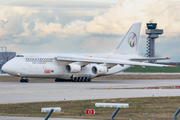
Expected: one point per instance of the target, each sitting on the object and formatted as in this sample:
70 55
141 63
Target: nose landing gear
24 80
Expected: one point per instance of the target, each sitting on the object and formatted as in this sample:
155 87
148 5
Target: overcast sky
86 26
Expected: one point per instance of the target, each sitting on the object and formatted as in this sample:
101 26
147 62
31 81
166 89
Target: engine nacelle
73 68
99 70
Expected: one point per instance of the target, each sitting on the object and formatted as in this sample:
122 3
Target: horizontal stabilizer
145 59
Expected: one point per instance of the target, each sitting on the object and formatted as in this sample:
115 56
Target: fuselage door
30 68
36 71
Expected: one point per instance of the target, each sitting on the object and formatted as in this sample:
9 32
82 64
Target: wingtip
167 58
172 66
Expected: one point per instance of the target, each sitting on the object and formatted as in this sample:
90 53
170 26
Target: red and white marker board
89 111
178 87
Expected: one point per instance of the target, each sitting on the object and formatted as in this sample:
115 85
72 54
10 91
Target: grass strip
159 87
157 108
149 69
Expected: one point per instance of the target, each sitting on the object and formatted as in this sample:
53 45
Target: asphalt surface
15 92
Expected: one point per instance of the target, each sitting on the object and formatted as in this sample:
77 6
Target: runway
15 92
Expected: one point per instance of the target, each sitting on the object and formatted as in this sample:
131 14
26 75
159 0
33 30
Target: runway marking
14 92
54 91
75 90
17 92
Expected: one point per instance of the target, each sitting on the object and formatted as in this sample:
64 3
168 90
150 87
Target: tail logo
132 39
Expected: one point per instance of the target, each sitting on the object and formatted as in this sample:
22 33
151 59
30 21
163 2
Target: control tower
152 33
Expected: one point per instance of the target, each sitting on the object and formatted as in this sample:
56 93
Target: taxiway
15 92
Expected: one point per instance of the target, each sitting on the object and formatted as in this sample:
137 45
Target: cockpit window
19 56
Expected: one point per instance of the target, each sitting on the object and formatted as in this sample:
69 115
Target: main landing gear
24 80
75 79
81 79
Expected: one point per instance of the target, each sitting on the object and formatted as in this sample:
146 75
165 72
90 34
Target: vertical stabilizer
130 41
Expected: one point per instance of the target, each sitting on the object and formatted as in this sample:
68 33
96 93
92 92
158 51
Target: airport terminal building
6 56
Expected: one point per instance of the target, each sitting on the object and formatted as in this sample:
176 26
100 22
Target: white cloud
83 13
116 20
58 3
75 27
71 25
12 22
120 16
103 45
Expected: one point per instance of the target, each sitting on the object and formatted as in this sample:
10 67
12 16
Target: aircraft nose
5 67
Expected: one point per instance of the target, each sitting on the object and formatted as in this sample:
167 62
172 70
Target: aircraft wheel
21 80
83 79
86 79
59 80
89 80
74 79
79 79
56 80
26 80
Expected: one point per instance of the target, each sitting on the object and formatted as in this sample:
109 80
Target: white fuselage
47 66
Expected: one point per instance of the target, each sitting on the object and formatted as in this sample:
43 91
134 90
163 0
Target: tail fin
130 41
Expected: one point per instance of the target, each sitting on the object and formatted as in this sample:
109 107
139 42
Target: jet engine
73 68
99 70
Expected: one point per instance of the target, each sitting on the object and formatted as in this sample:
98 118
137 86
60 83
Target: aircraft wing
91 59
145 59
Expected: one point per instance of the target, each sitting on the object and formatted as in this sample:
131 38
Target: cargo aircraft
81 67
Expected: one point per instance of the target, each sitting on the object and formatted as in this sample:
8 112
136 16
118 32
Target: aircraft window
19 56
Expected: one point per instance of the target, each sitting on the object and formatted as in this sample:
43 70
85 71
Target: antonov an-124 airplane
81 67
